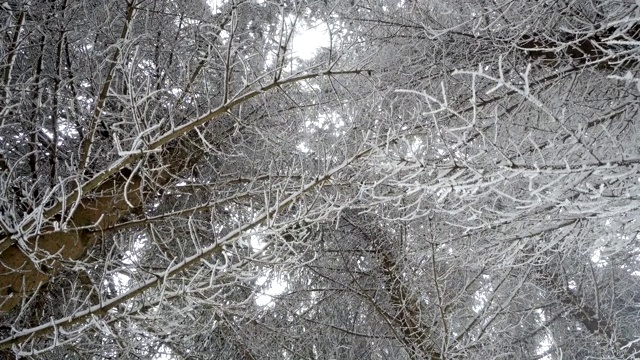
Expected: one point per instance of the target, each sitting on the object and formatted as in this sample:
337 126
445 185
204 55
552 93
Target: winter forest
421 179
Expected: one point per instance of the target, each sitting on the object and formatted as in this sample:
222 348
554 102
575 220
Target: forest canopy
423 179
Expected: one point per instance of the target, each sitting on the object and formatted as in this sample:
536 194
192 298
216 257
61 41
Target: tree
441 181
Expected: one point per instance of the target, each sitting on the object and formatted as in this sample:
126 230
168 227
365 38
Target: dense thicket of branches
442 180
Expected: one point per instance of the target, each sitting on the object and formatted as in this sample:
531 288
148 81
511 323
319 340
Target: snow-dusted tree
144 143
498 219
513 174
443 180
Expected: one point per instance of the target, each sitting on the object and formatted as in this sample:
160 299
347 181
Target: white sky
309 39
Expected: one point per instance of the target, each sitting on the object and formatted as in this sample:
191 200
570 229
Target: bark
28 263
416 336
603 48
588 316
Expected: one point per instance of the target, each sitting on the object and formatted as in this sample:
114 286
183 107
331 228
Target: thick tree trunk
415 334
606 48
587 316
29 263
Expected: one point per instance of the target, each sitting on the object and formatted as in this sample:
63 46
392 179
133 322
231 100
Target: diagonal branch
112 171
160 278
100 203
85 147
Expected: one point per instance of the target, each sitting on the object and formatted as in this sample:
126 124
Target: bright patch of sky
308 39
324 122
266 297
309 36
481 297
303 147
256 239
597 259
163 353
277 286
546 343
214 4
